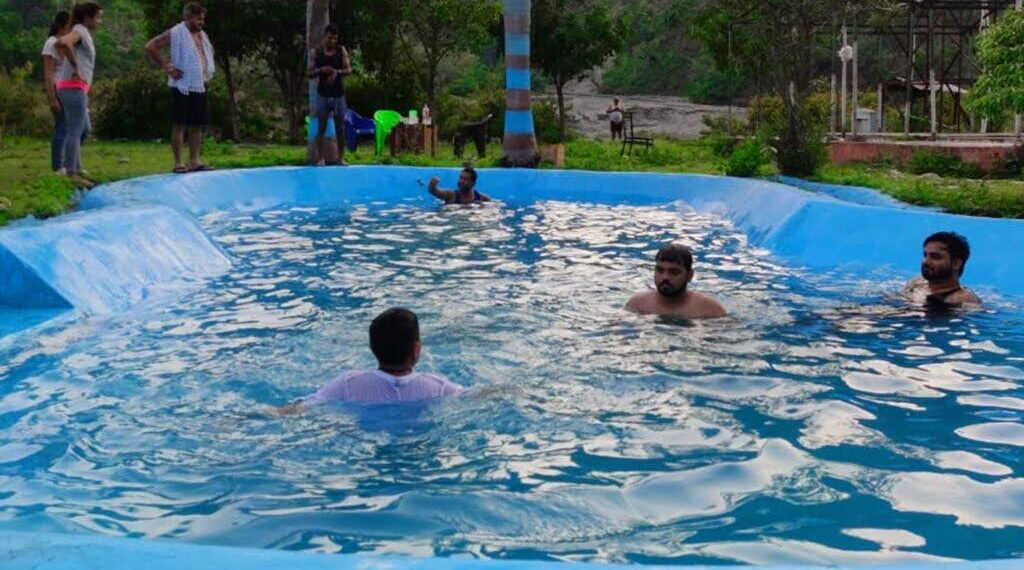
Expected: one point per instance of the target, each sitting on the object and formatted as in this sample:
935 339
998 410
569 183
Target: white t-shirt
50 49
376 387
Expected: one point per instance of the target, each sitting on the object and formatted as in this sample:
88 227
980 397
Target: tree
520 142
569 38
434 30
1000 88
779 42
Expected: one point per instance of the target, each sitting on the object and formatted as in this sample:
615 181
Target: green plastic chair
385 121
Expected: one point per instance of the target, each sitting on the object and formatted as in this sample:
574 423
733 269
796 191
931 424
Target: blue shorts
327 105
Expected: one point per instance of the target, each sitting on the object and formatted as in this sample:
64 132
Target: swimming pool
821 423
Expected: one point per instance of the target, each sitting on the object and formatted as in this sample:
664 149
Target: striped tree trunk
520 142
317 18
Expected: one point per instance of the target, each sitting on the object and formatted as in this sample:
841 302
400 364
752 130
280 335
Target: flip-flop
202 168
179 170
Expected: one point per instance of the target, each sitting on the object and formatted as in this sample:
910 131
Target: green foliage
135 106
568 38
942 164
657 54
993 198
433 30
23 109
713 86
546 123
722 133
747 159
1000 88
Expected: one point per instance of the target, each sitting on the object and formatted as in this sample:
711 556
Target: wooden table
416 138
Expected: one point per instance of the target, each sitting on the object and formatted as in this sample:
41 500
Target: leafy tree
782 44
569 38
1000 88
434 30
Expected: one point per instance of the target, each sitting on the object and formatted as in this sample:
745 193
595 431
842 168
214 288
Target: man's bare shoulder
964 297
641 302
706 306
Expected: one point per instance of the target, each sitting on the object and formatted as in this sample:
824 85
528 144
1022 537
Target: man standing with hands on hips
189 69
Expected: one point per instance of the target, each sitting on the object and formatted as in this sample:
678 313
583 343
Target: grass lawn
997 198
27 188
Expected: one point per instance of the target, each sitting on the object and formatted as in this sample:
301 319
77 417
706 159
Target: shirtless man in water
673 271
466 192
945 255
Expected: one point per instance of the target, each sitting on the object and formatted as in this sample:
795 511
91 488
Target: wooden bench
631 137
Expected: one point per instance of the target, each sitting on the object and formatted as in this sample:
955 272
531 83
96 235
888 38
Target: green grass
27 188
998 198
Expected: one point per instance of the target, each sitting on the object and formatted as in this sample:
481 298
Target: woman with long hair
73 80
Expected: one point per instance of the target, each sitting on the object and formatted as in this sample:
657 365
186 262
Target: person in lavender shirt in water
395 341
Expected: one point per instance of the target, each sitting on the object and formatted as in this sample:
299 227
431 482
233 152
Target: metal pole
931 70
907 106
932 88
982 25
855 88
842 90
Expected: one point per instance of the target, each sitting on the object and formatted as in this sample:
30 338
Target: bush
545 123
722 133
942 164
23 107
747 159
136 106
712 86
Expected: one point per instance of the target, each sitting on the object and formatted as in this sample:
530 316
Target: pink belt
73 84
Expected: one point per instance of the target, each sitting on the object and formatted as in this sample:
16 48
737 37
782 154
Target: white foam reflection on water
820 422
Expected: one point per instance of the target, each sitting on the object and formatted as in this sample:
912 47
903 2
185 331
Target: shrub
942 164
23 107
545 123
747 159
713 86
722 133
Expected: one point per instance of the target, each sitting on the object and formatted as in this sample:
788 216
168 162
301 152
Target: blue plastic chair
356 127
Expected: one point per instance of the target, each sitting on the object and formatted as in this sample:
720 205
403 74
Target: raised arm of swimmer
466 192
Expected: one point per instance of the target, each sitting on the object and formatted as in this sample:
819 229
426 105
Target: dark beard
937 274
667 291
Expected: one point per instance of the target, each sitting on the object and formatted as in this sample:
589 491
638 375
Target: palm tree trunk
317 18
520 142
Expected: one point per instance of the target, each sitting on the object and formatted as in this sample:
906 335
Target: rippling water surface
822 422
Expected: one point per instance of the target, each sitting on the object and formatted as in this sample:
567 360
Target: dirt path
663 115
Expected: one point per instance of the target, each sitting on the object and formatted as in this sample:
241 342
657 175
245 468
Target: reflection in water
820 423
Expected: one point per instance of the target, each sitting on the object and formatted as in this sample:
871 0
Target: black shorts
190 110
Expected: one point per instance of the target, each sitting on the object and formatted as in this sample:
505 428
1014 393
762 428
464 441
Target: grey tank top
85 53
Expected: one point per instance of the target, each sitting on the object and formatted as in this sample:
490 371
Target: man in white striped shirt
189 69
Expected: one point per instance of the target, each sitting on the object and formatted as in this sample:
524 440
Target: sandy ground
661 115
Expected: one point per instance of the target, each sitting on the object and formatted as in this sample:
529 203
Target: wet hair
331 29
471 171
84 11
956 245
192 9
675 253
393 335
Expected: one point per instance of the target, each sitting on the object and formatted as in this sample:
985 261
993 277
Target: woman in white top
52 59
73 80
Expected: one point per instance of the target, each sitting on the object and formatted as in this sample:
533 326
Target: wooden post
911 49
855 89
932 88
982 24
881 107
832 107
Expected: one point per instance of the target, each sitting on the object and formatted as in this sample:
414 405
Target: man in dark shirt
330 63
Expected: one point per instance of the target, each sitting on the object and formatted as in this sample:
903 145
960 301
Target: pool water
822 422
